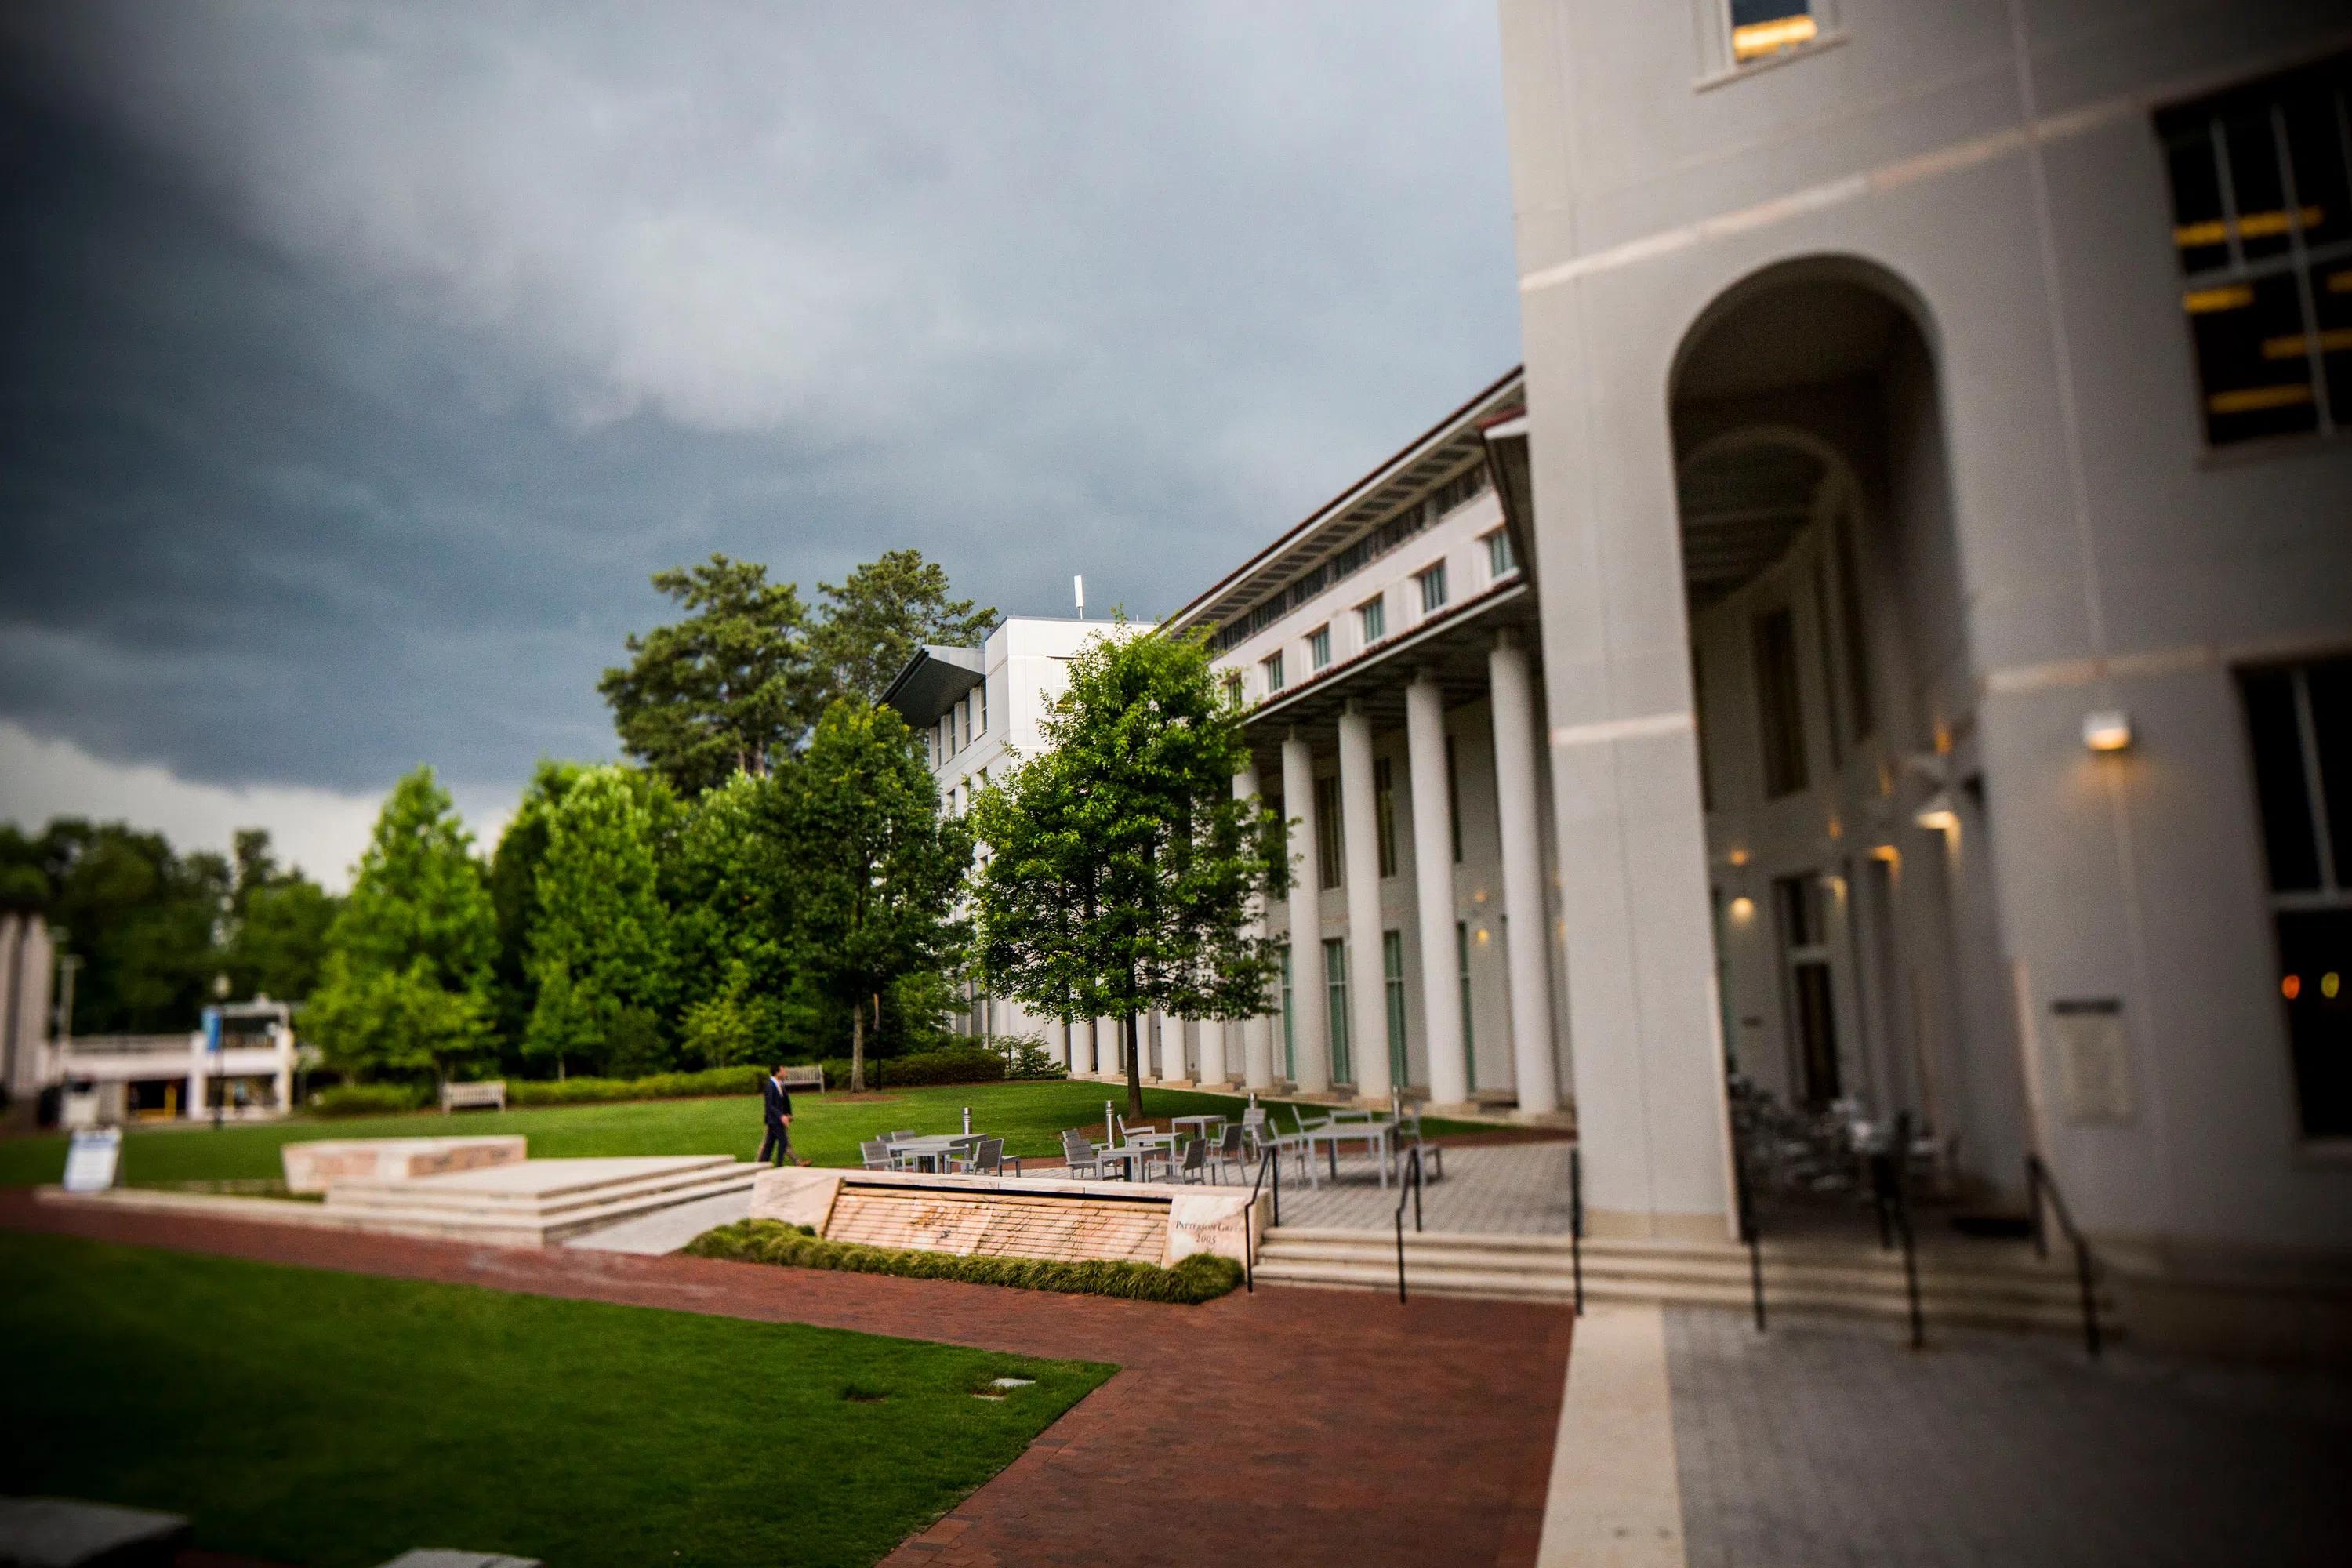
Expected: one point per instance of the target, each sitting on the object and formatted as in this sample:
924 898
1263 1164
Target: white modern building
1942 524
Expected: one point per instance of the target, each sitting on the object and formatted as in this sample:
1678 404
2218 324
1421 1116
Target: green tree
874 622
405 988
728 689
277 923
514 897
875 867
734 927
1120 873
599 953
147 921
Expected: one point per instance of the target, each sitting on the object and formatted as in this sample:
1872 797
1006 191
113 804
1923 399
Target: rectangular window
1432 589
1699 725
2299 724
1272 665
1384 811
1452 800
963 724
1372 620
1762 28
1318 647
1462 971
2262 214
1290 1038
1232 688
1392 973
1335 987
1812 1017
1780 712
1330 841
981 698
1827 661
1856 640
1500 562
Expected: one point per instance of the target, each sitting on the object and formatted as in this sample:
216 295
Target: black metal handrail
1576 1221
2041 1196
1750 1232
1408 1184
1272 1156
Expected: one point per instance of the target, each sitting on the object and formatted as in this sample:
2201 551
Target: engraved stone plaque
2094 1065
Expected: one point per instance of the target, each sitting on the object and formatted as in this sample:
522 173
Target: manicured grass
826 1128
336 1420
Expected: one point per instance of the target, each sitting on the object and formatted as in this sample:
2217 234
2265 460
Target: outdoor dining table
1202 1123
1380 1136
936 1148
1129 1154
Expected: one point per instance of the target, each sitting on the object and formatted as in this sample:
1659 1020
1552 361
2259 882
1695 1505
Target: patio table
1203 1123
936 1148
1128 1154
1379 1137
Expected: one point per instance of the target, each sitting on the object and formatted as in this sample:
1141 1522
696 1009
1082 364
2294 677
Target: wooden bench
804 1078
490 1096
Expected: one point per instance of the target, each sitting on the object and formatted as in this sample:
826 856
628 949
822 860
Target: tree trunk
857 1050
1134 1072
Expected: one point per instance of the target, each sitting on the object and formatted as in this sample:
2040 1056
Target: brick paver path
1303 1425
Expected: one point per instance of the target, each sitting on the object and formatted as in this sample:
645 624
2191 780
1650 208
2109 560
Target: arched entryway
1857 955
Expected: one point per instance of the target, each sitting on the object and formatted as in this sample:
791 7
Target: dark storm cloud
360 364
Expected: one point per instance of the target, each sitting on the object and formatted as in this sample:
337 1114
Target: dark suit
774 1106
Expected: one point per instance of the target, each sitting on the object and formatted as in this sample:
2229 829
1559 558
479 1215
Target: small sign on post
92 1159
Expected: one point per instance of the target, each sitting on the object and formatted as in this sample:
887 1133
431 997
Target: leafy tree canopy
407 974
1121 875
875 621
728 689
601 952
875 868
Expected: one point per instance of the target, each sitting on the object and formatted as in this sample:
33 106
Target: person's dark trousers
780 1141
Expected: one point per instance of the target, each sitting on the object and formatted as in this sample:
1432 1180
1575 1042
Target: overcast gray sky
360 363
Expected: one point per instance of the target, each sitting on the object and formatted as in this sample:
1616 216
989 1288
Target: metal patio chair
1080 1156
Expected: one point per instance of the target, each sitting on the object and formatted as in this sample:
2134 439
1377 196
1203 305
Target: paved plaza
1820 1444
1513 1189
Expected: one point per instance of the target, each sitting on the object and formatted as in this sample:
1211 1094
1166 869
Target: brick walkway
1309 1426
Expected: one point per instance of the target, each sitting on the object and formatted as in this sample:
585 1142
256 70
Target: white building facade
1943 517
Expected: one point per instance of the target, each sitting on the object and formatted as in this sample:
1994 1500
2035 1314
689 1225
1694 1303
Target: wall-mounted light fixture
1743 910
1738 857
1936 812
2109 729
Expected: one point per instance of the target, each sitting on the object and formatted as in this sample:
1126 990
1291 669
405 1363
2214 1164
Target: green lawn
332 1419
826 1128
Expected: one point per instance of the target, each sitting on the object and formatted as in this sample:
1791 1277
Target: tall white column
1309 1027
1368 1025
1213 1052
1433 879
1523 905
1254 1035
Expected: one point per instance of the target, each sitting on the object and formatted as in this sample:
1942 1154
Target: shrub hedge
660 1085
368 1099
1200 1278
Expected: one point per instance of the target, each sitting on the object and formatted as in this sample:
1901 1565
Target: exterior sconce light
2107 730
1738 857
1936 812
1743 910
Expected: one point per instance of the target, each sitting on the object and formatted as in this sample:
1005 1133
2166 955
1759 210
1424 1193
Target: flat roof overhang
1451 646
934 679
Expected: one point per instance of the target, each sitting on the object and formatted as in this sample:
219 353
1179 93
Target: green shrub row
660 1085
1200 1278
369 1098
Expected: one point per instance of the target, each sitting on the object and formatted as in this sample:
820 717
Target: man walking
776 1110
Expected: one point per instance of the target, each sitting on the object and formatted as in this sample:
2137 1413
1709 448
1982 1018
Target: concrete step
507 1226
2005 1288
533 1187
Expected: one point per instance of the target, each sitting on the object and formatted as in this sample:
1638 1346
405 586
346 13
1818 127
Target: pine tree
599 953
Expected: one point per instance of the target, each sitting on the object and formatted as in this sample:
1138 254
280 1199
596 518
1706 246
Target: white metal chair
877 1153
1080 1156
986 1158
1191 1168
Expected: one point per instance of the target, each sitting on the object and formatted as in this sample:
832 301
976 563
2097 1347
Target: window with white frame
1272 665
1500 562
1761 28
1233 687
1372 620
1432 588
1318 647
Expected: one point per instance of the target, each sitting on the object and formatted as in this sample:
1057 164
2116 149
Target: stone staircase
534 1203
1978 1284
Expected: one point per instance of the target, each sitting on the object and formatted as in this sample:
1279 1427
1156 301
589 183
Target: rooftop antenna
1080 583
